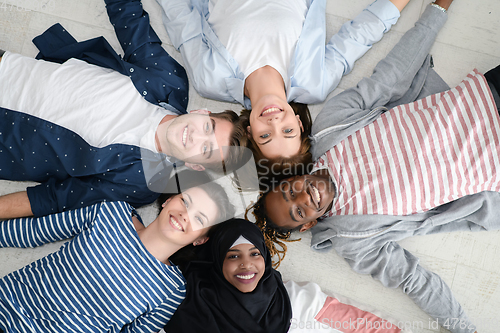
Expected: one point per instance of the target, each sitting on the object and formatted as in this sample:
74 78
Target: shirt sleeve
337 59
55 195
162 74
395 267
156 319
132 28
356 37
369 245
407 65
210 67
393 76
33 232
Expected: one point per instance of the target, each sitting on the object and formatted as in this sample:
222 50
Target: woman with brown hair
265 55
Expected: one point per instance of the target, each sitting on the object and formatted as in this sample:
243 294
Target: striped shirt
420 155
103 280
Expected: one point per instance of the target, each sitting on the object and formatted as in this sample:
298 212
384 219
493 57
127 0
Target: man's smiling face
299 201
195 138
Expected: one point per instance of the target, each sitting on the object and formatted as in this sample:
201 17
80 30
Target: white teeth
184 136
245 277
271 110
175 223
316 194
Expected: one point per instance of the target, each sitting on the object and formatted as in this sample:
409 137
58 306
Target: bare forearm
15 205
400 4
443 3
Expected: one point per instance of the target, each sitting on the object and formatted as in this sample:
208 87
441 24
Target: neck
161 132
151 238
264 81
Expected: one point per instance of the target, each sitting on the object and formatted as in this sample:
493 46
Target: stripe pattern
420 155
102 280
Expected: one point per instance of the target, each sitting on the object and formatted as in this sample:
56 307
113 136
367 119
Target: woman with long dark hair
115 274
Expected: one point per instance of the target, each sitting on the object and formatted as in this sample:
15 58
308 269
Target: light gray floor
467 262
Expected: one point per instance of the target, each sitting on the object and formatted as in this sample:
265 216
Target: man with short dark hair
88 133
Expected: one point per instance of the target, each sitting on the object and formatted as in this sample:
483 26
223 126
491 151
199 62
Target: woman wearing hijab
254 301
235 289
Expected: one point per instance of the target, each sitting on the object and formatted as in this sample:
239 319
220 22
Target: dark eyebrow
286 137
286 199
266 142
235 250
213 125
283 193
206 218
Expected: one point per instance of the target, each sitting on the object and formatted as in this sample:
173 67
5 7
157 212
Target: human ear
308 225
200 241
193 166
300 123
166 202
200 111
249 131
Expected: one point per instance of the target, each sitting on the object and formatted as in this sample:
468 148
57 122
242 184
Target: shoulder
115 210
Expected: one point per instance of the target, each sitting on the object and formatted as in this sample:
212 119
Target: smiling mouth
315 195
184 136
246 276
175 224
269 111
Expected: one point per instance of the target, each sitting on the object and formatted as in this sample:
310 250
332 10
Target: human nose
273 119
246 263
304 197
197 136
184 217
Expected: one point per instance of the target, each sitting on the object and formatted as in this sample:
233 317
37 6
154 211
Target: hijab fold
214 305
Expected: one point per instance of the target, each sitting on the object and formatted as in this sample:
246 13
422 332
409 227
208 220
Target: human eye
255 253
288 130
200 221
184 201
299 213
232 256
204 149
207 127
291 191
264 136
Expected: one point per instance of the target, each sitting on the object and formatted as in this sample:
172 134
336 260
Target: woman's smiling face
275 128
243 267
186 217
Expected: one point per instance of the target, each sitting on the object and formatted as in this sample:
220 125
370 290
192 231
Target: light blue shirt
315 69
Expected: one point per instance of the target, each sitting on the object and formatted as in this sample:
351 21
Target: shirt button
131 70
